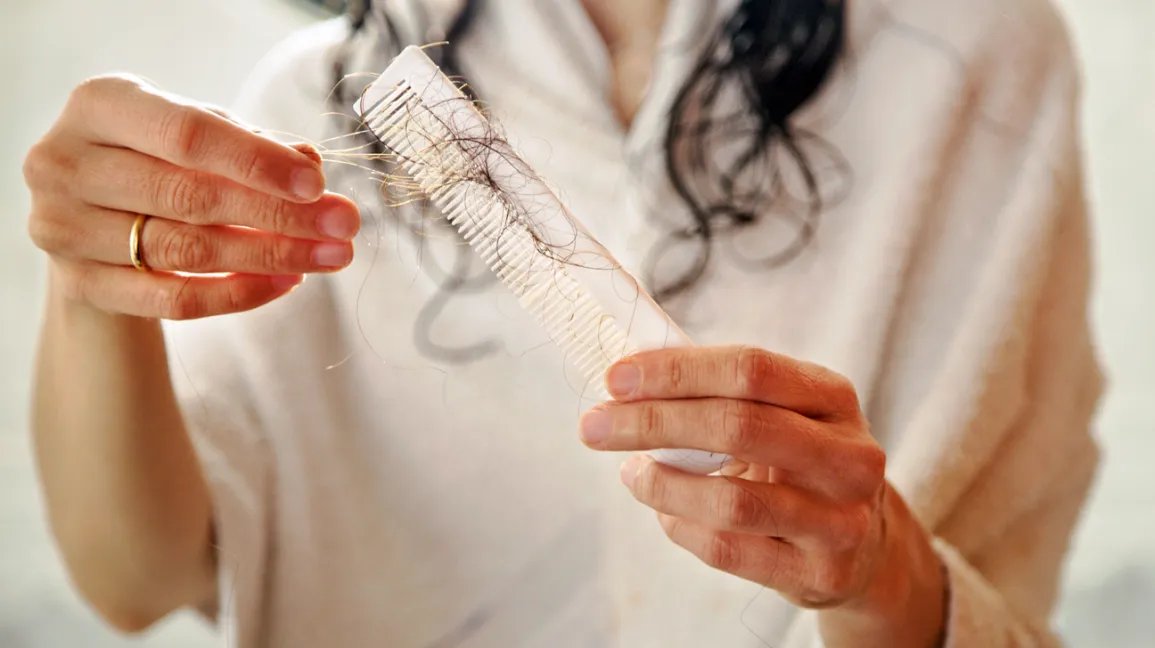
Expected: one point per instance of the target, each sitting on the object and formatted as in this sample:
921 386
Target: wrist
904 604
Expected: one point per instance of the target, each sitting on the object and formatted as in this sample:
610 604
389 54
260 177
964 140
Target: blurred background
204 49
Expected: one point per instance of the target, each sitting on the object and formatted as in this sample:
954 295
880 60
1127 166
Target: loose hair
729 134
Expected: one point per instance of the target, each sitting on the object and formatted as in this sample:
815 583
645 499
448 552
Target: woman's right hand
221 199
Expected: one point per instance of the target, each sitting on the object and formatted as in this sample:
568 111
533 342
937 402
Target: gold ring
134 243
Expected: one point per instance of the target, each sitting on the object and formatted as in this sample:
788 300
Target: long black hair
729 135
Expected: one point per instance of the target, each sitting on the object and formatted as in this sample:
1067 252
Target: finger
229 115
816 455
128 181
746 430
739 468
734 504
733 372
170 296
129 113
747 471
305 148
102 235
808 579
308 150
764 560
301 147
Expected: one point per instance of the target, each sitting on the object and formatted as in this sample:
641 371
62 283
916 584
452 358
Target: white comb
591 308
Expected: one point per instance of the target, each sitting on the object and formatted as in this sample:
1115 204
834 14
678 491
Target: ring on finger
134 247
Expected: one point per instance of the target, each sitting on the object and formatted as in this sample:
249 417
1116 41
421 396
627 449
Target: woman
380 457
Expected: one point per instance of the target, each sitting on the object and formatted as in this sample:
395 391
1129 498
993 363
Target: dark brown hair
773 56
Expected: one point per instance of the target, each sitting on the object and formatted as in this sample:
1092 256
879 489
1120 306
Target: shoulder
1020 38
1015 36
975 26
1014 58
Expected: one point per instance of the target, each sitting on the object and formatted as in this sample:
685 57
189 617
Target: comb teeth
590 337
593 310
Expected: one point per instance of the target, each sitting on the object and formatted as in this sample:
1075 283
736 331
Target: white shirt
368 495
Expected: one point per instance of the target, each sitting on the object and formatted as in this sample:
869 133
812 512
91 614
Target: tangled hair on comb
729 145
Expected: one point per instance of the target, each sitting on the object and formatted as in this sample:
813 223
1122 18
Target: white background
204 48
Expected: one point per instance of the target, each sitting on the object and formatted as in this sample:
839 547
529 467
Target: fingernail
595 426
307 183
623 379
338 222
308 150
332 255
284 282
629 470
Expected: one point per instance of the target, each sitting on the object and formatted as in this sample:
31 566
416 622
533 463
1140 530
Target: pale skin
125 496
805 510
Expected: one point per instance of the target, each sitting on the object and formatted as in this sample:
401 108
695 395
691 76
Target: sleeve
994 401
217 404
1005 541
210 360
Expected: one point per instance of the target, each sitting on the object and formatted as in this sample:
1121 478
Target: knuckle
49 235
96 86
236 297
855 526
811 379
676 375
40 233
871 464
37 165
741 427
754 368
182 131
278 254
671 526
843 393
92 88
278 216
46 165
651 426
86 90
721 552
188 197
248 164
105 92
181 304
834 583
777 569
101 89
187 248
649 485
784 507
741 509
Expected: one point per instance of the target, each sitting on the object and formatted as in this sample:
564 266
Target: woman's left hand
805 507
